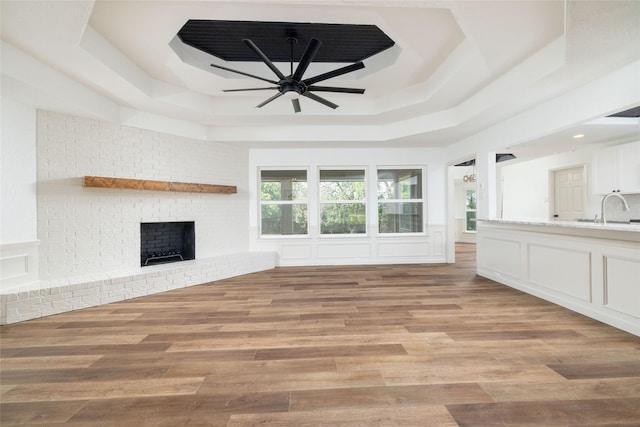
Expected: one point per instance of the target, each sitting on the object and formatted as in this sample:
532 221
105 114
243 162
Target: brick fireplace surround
88 252
58 296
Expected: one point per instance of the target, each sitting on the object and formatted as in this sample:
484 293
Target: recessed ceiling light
578 136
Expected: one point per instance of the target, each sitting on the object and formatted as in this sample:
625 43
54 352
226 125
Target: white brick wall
88 231
90 238
58 296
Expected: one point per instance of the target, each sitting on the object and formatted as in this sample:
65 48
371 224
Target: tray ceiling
454 69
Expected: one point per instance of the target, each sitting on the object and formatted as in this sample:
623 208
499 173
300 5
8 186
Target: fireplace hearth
165 242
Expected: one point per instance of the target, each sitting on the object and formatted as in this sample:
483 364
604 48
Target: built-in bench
44 298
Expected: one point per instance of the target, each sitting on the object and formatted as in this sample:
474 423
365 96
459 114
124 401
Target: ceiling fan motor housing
290 85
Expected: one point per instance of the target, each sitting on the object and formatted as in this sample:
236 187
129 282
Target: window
283 203
400 201
470 210
342 202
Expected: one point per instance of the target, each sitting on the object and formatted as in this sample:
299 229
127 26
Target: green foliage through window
283 198
470 210
343 202
400 204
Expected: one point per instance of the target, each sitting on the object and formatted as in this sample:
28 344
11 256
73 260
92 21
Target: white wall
91 230
18 206
18 173
370 248
526 187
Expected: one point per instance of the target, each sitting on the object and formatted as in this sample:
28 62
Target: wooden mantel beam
146 184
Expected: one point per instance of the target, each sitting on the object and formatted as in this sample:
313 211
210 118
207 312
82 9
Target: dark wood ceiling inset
632 112
341 43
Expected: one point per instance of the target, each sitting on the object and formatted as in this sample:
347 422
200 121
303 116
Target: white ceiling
458 66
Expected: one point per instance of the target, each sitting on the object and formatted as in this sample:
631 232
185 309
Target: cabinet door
629 167
605 171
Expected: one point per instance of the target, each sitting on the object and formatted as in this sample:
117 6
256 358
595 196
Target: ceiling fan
293 86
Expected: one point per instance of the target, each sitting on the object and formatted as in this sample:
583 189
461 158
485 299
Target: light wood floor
418 345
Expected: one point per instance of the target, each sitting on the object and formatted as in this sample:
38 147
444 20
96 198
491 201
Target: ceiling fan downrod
292 40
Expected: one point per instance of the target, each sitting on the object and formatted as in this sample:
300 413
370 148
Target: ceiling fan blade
307 58
335 89
320 100
244 90
277 95
243 73
296 105
334 73
264 58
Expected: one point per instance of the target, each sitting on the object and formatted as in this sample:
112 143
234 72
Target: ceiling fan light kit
292 94
293 86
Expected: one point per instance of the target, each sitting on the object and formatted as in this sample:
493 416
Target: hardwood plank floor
414 345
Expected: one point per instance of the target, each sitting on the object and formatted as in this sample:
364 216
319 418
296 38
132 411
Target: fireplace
164 242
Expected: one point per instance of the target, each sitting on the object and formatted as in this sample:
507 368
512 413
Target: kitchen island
590 268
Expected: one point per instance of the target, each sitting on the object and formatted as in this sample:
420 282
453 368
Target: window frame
422 200
364 201
262 203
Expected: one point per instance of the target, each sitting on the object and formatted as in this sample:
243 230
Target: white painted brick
91 300
62 305
85 231
6 298
96 290
83 292
107 299
76 303
63 295
63 150
48 312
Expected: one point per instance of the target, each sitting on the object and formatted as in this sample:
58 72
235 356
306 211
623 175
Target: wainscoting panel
501 255
18 264
15 266
292 252
622 285
596 274
370 248
403 249
344 250
564 270
438 239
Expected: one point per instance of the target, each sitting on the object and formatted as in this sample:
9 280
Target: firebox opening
164 242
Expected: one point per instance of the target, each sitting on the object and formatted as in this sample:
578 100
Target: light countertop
614 231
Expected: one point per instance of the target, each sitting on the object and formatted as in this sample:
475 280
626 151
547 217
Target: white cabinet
629 168
617 169
592 270
605 170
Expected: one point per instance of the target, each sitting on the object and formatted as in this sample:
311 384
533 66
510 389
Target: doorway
569 193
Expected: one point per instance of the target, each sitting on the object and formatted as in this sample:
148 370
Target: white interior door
570 192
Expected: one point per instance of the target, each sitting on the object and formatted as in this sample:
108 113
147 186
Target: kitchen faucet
625 205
